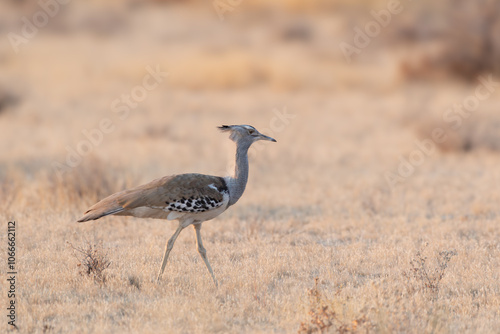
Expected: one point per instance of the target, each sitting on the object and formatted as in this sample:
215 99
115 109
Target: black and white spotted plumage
194 204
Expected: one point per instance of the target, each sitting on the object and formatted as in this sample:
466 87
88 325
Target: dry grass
335 221
317 204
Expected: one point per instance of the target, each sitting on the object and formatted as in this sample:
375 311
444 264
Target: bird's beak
264 137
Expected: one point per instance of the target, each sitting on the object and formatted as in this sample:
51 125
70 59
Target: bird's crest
224 128
230 127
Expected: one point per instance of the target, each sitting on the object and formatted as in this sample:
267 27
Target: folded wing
166 198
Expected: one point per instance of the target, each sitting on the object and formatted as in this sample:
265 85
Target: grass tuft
425 278
323 318
93 261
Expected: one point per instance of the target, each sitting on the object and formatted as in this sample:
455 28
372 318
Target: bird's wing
177 193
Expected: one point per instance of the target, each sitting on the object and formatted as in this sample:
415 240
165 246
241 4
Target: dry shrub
451 38
135 282
322 317
7 99
93 260
427 279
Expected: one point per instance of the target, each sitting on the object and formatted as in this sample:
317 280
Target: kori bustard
189 198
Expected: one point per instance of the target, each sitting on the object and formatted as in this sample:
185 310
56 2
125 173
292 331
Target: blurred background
346 87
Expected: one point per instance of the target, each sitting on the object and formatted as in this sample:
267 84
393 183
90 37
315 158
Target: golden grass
317 204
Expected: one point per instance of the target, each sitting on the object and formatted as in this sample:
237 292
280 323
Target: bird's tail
111 205
93 214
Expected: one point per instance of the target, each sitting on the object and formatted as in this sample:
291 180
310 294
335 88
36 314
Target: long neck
238 182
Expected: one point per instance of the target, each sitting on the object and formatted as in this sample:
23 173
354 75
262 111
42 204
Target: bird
191 198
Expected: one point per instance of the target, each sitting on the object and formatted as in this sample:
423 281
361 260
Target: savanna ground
417 255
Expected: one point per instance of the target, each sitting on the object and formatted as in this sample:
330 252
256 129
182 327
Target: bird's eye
252 132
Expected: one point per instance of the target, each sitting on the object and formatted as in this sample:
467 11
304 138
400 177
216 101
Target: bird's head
244 133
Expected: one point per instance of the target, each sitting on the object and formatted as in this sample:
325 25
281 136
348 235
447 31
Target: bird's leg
168 248
203 251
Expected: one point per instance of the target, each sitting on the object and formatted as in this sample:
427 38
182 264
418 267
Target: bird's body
197 196
189 198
